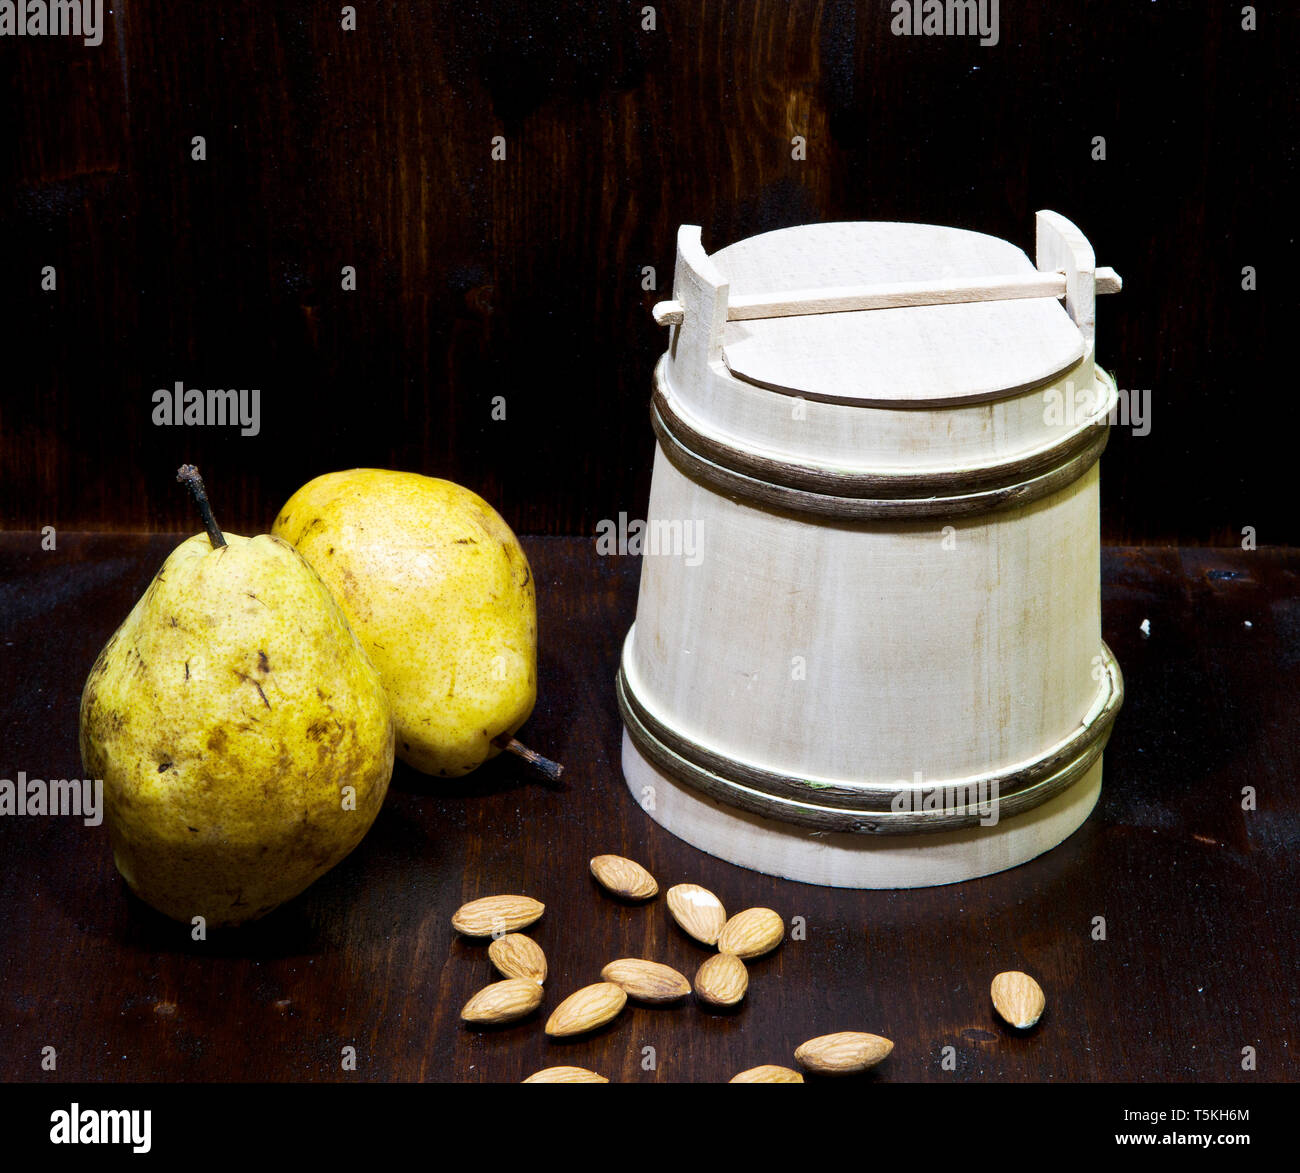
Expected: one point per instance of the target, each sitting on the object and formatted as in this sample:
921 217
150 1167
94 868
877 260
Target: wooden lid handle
849 298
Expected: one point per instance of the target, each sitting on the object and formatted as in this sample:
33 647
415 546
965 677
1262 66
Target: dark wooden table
1200 959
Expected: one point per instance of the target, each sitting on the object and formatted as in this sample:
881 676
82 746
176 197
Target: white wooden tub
868 650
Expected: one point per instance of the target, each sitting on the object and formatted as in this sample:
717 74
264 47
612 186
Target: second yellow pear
439 593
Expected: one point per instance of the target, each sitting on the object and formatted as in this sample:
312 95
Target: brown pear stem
548 769
188 476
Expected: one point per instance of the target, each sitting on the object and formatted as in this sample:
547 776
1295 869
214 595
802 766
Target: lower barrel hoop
869 808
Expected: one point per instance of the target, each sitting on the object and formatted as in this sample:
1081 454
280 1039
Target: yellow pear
438 590
243 736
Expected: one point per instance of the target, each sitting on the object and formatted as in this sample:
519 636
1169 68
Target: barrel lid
917 354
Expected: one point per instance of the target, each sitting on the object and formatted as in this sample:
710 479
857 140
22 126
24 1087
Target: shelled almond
646 981
767 1073
751 933
698 911
623 877
722 980
517 956
1018 999
587 1009
565 1075
844 1053
493 915
503 1002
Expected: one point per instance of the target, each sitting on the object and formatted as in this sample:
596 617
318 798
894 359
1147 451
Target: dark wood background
522 278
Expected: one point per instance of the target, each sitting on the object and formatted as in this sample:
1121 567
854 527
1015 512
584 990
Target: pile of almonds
721 981
518 959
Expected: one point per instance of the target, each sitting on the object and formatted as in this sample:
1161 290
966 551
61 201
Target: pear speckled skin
226 716
438 590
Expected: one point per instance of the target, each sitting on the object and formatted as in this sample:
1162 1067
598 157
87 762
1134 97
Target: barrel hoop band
869 808
802 489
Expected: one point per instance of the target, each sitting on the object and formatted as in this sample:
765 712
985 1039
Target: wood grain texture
794 665
524 277
1202 936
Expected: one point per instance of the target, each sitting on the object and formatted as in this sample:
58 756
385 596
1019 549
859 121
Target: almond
698 911
751 933
588 1009
844 1053
646 981
1018 998
517 956
768 1073
565 1075
495 915
722 980
624 877
503 1001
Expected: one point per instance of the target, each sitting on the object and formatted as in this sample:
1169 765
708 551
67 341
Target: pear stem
548 769
188 476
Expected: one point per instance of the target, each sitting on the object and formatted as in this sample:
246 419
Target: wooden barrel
867 648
